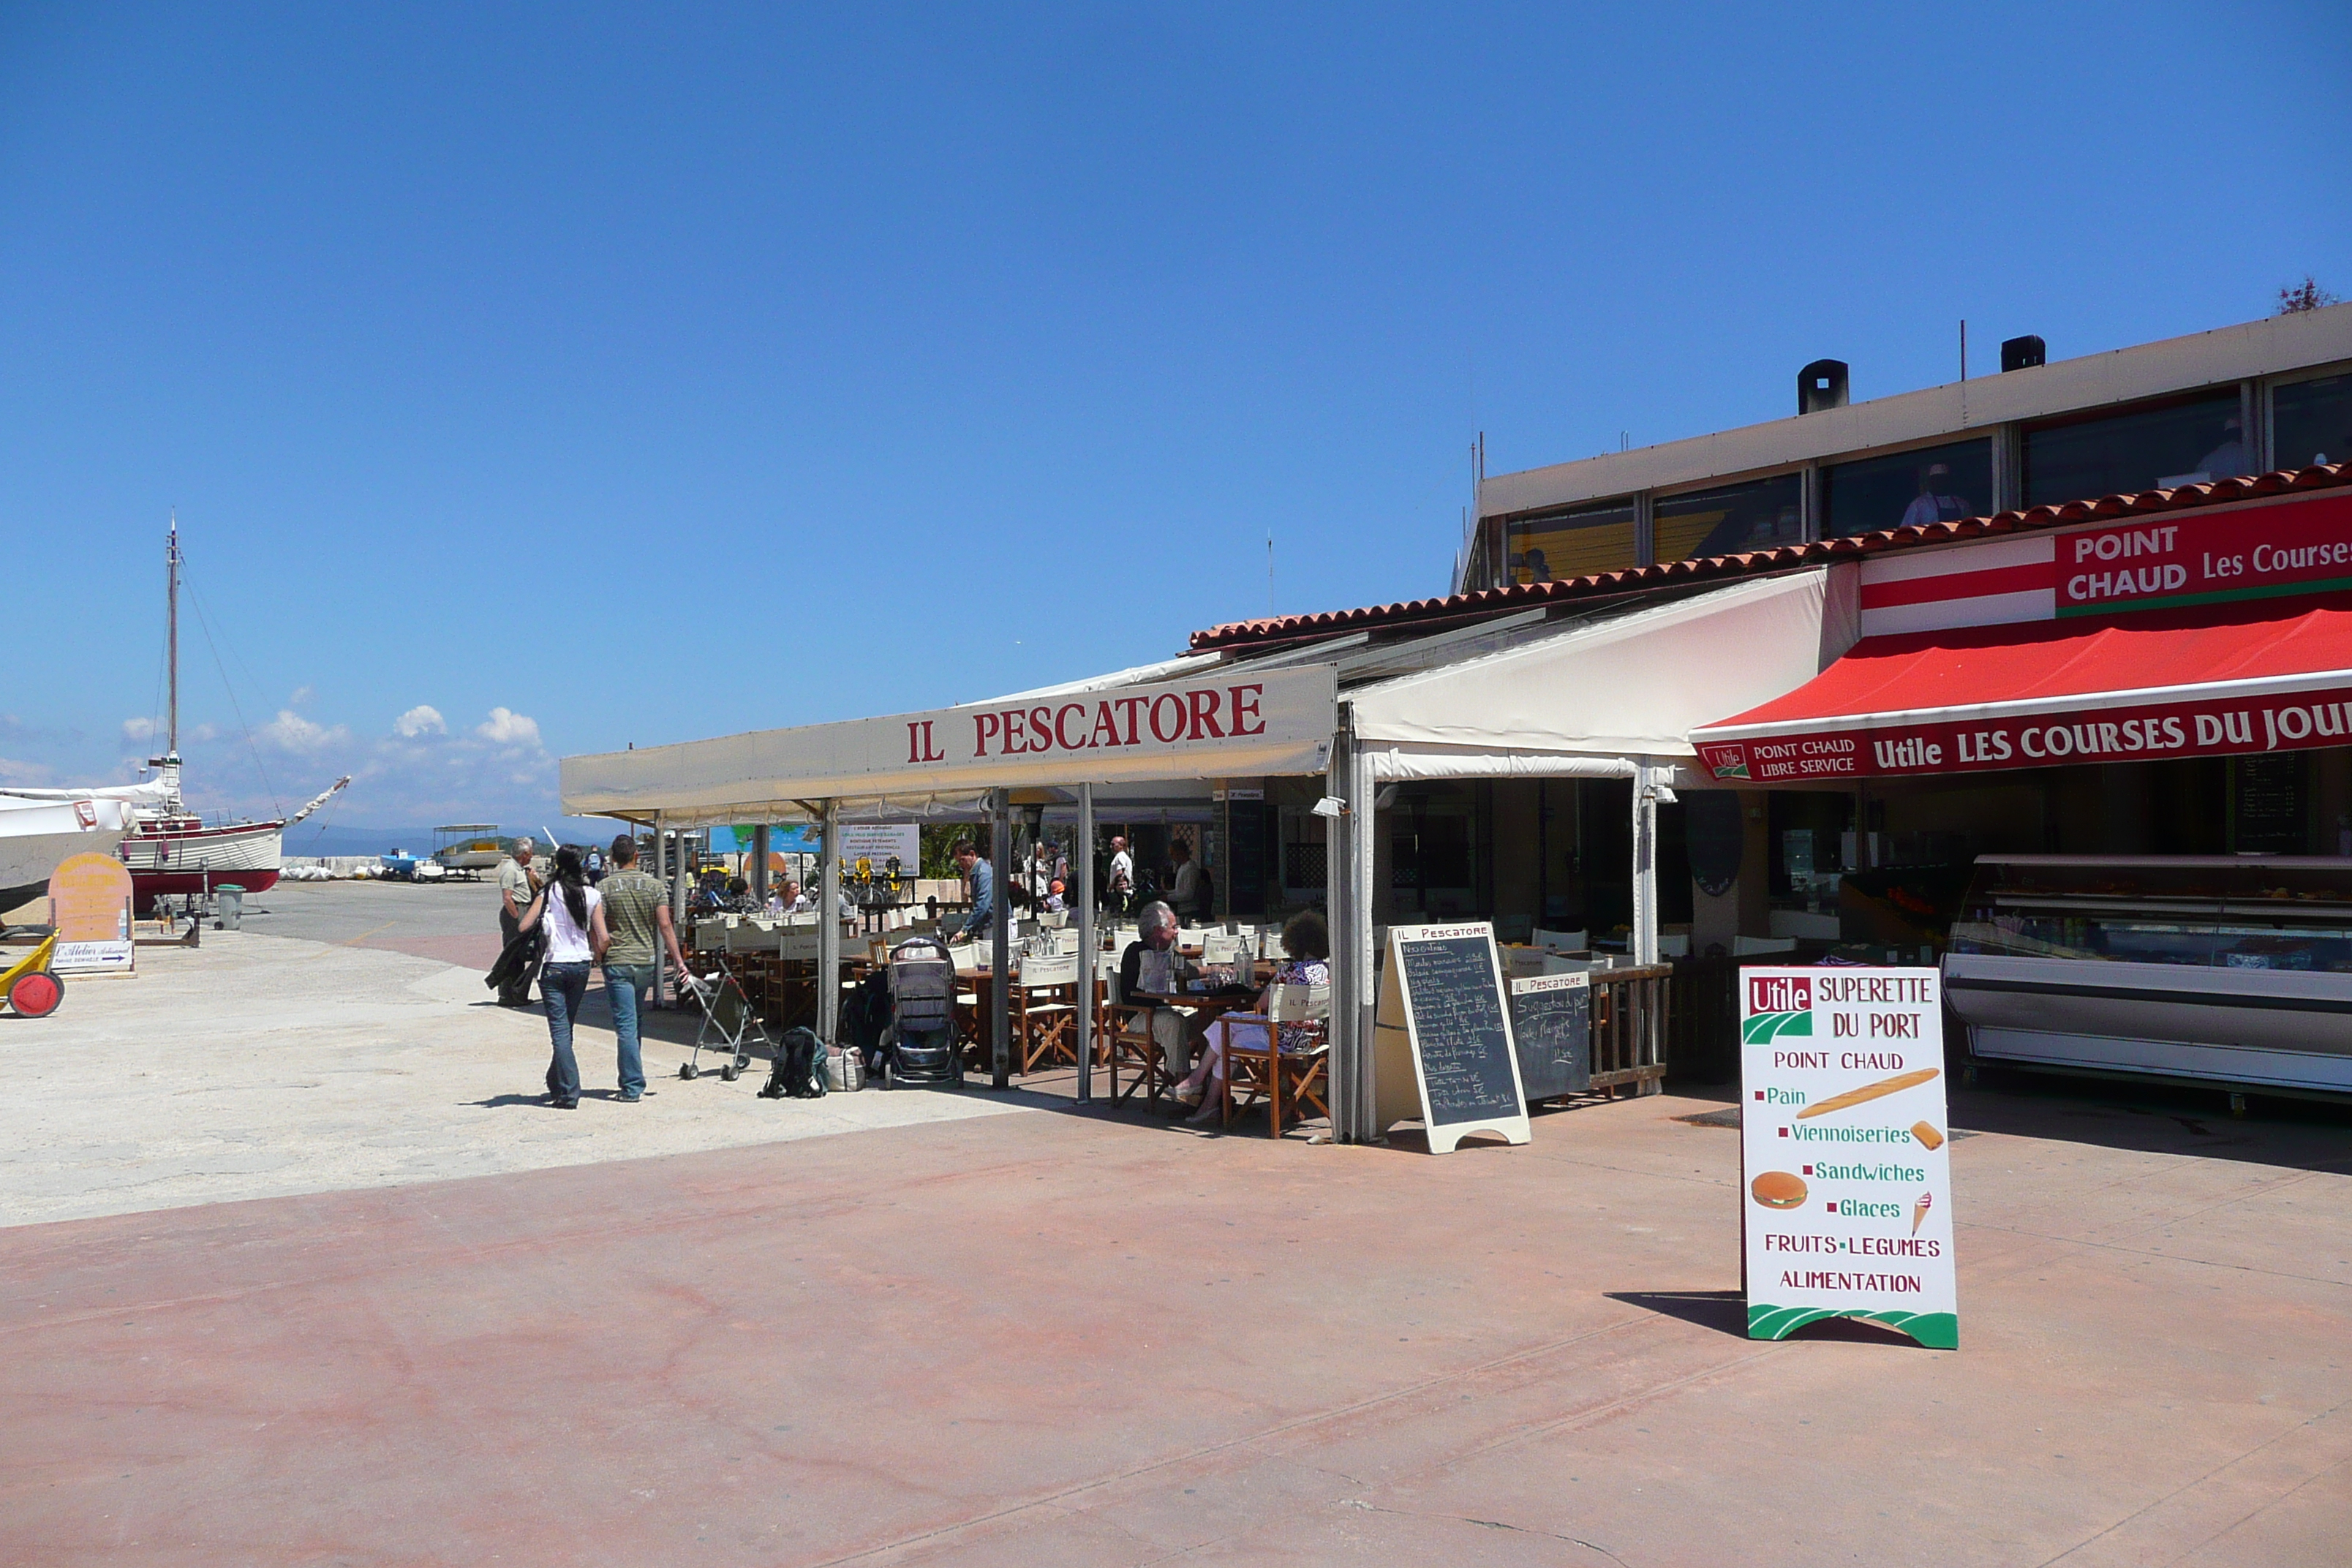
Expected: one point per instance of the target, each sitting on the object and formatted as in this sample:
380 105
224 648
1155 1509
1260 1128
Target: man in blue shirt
983 878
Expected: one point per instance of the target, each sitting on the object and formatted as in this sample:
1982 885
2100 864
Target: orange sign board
90 904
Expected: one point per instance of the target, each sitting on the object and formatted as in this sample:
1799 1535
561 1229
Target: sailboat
169 849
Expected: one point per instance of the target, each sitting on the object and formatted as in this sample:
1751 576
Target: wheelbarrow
28 987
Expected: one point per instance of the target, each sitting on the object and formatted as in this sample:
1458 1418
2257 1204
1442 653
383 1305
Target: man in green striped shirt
637 913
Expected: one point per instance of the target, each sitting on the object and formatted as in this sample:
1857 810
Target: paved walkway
1063 1338
255 1067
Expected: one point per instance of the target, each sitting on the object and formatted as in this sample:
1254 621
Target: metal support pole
661 985
1355 992
760 864
999 959
1649 790
1087 957
828 927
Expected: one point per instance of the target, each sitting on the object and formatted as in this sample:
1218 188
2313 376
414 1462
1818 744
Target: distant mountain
338 838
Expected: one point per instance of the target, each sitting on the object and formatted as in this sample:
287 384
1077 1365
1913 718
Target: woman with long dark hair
576 938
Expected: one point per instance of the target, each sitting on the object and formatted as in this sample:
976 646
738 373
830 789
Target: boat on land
468 848
37 834
173 852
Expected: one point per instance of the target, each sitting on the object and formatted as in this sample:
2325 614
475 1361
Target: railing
1630 1012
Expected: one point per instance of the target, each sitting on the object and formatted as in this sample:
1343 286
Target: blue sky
536 381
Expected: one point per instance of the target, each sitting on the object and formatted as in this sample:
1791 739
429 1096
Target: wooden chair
1046 1026
1288 1082
1124 1034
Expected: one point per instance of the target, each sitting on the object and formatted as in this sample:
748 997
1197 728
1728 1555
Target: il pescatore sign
1846 1178
2109 731
1212 724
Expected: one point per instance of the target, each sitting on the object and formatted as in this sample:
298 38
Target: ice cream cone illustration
1920 1210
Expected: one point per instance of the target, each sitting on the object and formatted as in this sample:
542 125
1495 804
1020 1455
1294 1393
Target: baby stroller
919 1046
725 1012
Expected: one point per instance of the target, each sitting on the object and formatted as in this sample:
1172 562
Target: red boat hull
179 855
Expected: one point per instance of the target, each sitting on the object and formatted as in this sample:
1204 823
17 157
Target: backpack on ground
799 1072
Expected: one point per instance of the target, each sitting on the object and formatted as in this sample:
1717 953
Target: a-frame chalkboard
1443 1014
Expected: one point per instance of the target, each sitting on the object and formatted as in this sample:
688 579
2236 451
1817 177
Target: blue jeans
565 986
623 984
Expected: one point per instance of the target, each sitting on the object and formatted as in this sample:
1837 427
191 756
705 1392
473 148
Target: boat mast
172 626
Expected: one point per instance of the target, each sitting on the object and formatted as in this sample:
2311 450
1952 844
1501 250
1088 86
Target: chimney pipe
1822 385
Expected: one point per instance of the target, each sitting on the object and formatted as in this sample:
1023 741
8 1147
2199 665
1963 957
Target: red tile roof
1716 568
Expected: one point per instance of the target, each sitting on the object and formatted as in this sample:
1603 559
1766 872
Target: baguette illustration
1928 1137
1869 1091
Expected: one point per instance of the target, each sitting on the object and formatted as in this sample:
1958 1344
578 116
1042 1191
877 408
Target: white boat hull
35 838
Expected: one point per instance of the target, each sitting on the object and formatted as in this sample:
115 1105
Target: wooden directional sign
1443 1014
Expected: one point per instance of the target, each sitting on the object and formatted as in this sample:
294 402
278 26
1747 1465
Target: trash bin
228 900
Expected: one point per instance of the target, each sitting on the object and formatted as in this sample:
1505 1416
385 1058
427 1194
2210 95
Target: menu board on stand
89 907
1551 1032
1442 1040
1845 1151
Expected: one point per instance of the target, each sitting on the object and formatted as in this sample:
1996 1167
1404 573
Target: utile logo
1780 993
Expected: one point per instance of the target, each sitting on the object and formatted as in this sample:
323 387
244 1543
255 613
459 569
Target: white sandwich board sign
1845 1151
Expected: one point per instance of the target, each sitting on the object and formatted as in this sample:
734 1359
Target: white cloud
302 694
29 774
507 728
289 732
421 719
136 730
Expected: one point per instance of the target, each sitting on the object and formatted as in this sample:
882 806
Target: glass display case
2231 968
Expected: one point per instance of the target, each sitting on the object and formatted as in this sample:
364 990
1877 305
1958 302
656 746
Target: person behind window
2229 458
1539 568
1934 503
1185 891
1307 942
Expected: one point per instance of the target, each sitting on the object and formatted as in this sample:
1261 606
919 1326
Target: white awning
1209 722
1592 697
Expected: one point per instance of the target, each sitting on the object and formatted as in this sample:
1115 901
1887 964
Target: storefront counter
2233 969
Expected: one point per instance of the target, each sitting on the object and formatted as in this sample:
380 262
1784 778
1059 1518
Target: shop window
1937 484
1560 545
2311 422
1755 516
2179 443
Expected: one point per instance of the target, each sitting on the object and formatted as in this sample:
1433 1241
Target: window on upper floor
2153 447
1559 545
1758 515
1933 484
2311 422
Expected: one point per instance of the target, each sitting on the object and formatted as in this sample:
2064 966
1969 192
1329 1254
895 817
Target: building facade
2269 394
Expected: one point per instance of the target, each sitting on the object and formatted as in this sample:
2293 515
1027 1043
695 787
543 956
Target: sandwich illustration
1777 1190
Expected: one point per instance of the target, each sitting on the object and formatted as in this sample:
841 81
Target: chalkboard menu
1460 1030
1551 1026
2270 804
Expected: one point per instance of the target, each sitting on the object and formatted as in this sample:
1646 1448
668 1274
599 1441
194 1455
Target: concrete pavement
1059 1337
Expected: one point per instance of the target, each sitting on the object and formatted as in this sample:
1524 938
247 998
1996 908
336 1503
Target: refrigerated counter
2235 968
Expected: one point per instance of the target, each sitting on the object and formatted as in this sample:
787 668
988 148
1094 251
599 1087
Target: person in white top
1121 882
574 915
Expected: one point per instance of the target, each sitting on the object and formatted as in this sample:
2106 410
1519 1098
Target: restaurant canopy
1214 723
1588 695
1557 691
2210 680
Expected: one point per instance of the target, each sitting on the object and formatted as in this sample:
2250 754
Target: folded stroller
728 1013
919 1046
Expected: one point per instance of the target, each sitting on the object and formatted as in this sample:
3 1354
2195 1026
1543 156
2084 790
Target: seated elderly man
1152 966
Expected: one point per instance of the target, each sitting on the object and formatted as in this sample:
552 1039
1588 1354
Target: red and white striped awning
2210 680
